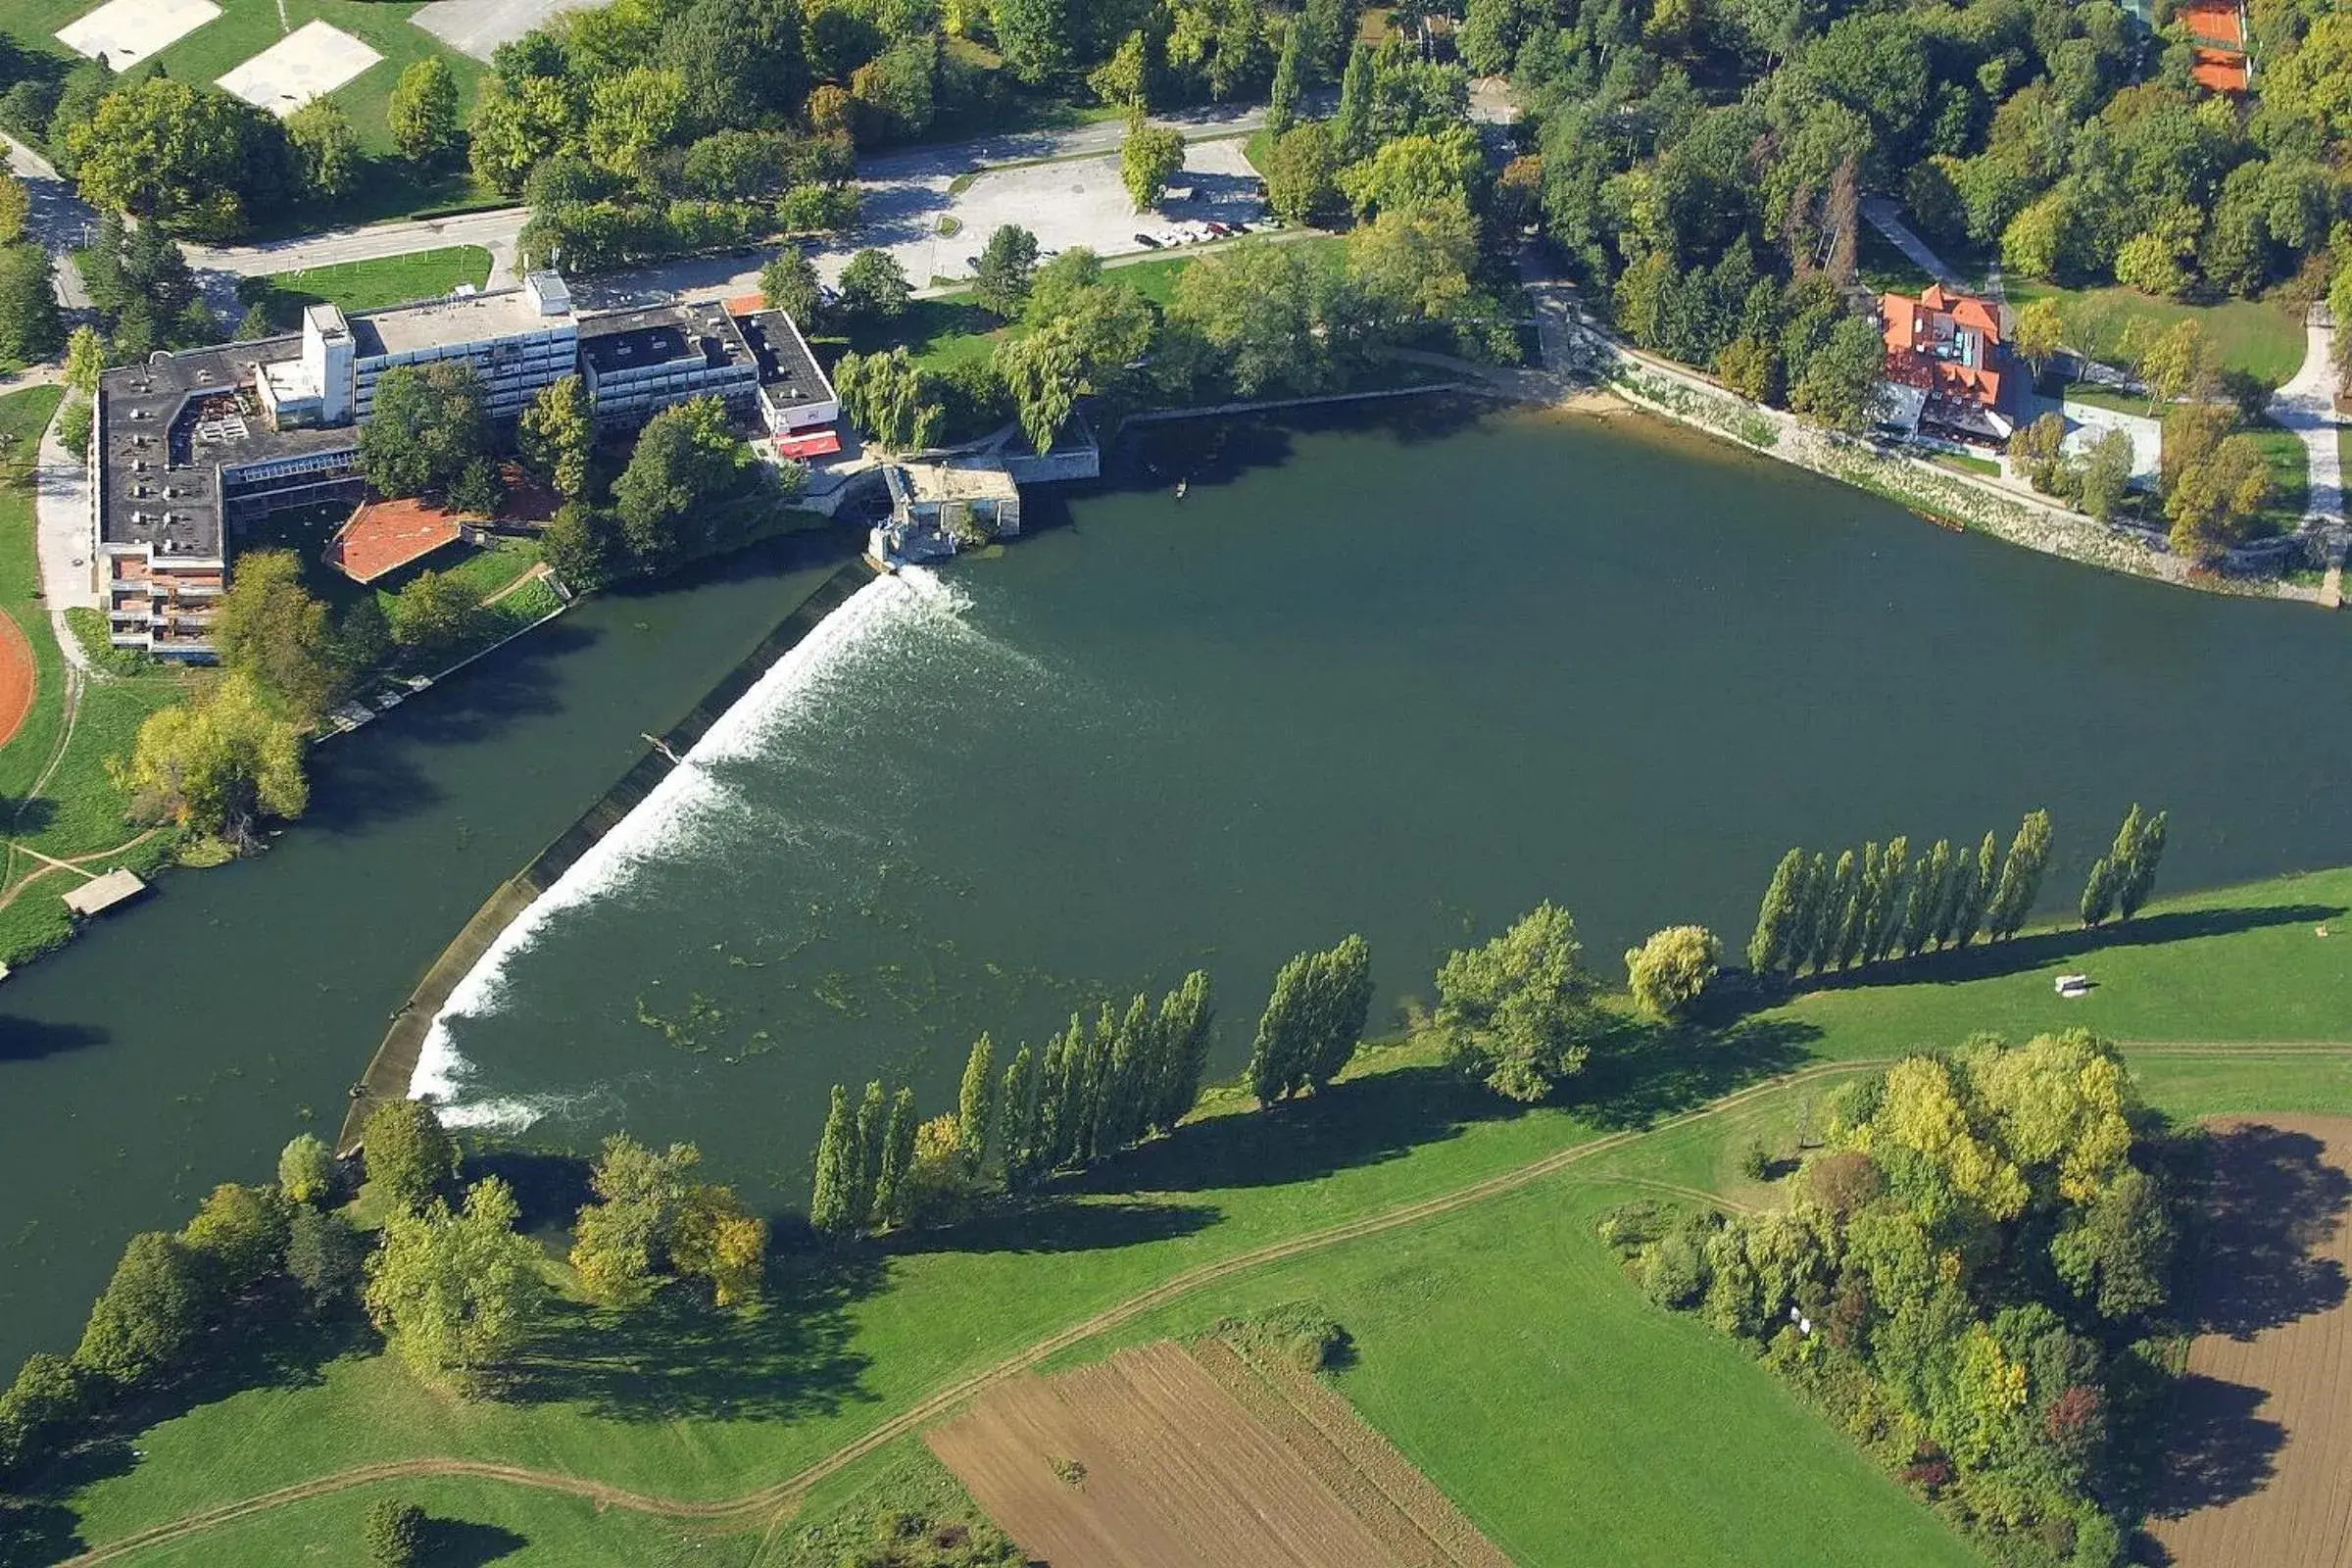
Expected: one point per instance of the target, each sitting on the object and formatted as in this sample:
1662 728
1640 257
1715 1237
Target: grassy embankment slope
369 285
55 796
1501 1315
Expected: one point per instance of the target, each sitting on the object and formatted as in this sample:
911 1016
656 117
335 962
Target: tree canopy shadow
2222 1451
678 1357
1641 1072
1219 449
30 816
36 1531
1356 1121
2043 949
550 1185
1061 1222
271 1340
30 1038
463 1544
2273 1206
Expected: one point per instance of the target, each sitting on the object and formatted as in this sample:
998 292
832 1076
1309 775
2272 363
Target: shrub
394 1531
1671 972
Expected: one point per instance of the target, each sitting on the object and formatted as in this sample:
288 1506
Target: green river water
1406 674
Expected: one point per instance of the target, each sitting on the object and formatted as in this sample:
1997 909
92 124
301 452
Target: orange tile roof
384 537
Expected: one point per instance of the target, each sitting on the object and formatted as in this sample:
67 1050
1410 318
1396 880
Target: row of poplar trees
1313 1021
1878 902
1093 1091
2121 880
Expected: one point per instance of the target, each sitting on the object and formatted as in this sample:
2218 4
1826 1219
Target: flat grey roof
660 334
450 323
787 370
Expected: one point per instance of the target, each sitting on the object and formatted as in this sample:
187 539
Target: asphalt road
59 219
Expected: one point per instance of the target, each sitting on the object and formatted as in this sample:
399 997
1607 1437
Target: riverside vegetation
464 1297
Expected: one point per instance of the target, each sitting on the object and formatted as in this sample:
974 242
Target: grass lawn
674 1401
1964 462
1885 269
246 27
369 285
2263 339
2290 476
1503 1349
2101 397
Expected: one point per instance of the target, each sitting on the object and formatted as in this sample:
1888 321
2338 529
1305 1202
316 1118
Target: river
1399 674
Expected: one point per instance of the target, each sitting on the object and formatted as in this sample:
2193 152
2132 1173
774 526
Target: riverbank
1943 495
867 1346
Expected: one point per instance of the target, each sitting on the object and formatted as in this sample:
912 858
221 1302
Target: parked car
1222 230
1147 241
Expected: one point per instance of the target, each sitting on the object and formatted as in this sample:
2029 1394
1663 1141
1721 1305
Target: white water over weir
667 820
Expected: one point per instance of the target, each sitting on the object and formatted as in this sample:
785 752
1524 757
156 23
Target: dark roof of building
787 370
660 334
170 424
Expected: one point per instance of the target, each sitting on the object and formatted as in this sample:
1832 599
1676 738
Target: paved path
59 219
61 500
2306 406
1888 219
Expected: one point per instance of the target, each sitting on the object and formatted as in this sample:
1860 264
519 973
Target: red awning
810 444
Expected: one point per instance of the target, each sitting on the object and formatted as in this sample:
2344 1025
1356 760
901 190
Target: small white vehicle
2072 986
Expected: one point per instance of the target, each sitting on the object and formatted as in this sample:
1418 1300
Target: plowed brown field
1149 1460
2261 1470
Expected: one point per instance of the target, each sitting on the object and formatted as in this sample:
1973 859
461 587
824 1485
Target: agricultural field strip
772 1502
1349 1453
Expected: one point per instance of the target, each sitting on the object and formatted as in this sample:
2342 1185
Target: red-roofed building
1948 364
384 537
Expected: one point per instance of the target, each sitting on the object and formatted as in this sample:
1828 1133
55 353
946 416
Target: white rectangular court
127 31
309 63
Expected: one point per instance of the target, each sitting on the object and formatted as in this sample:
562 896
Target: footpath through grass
54 795
678 1402
369 285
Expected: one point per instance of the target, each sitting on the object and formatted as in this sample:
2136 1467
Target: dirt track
16 677
771 1504
2262 1463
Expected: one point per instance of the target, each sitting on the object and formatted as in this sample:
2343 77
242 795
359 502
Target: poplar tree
836 1171
2099 892
1016 1111
1346 1006
1125 1108
1282 103
1274 1056
1776 919
1807 927
2021 876
1894 892
1925 904
1863 911
1351 126
1837 912
976 1110
1959 893
1980 888
1183 1029
2132 888
873 1117
898 1158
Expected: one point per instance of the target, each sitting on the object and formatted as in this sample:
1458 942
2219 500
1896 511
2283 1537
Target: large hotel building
189 445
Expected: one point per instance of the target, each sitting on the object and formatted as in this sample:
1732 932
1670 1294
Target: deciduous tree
271 628
456 1292
1514 1012
686 465
975 1103
407 1153
148 1315
1150 157
422 112
1002 281
305 1169
555 437
874 286
838 1177
217 765
1673 969
427 423
394 1532
327 155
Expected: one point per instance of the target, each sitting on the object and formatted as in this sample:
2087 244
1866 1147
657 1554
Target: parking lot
1066 203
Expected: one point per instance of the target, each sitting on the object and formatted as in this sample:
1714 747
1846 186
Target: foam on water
666 822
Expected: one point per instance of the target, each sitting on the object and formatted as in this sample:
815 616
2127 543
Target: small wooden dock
103 893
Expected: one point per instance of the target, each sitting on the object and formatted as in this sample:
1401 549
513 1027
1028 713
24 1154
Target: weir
394 1064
